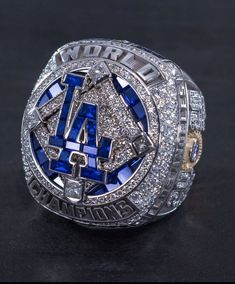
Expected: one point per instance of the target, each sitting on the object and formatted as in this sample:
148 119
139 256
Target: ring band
111 134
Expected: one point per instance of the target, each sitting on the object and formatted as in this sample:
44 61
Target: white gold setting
172 106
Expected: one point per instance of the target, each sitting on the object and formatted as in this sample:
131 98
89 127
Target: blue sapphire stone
61 128
130 96
104 148
89 150
116 84
91 127
92 162
48 172
134 164
35 142
112 178
91 141
91 133
138 111
57 141
88 111
41 156
62 167
64 155
49 94
92 173
74 80
44 99
65 111
69 94
144 123
77 125
98 190
46 96
133 102
194 152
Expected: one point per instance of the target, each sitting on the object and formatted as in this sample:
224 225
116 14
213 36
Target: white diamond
73 190
59 181
122 82
98 72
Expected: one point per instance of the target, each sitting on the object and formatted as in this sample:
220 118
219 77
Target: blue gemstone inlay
65 110
124 174
130 96
91 127
111 186
104 148
44 99
91 140
61 167
64 155
86 118
92 162
88 111
74 80
112 177
48 172
117 177
69 94
133 102
116 84
134 164
46 96
64 114
49 94
35 142
144 123
194 152
91 132
41 156
89 150
61 128
98 190
57 141
92 173
76 128
138 110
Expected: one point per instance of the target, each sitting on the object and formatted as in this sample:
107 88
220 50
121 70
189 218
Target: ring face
108 134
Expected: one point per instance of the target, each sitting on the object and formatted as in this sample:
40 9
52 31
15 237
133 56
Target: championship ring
111 134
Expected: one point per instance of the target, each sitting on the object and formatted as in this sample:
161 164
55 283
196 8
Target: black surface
197 242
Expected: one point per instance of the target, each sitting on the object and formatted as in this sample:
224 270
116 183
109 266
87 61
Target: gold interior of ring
193 137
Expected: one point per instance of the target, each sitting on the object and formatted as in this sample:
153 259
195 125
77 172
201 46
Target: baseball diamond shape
86 119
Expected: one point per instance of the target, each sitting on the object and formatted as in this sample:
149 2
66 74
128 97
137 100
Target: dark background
197 243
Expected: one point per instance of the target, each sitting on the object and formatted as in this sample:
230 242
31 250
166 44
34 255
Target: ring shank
196 122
